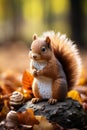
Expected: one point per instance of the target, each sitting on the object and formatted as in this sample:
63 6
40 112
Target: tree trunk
76 19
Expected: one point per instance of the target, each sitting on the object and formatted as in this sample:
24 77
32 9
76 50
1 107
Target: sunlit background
20 19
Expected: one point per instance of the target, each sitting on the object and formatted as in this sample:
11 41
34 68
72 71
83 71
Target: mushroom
16 100
11 121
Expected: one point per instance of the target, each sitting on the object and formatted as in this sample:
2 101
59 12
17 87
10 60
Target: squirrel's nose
34 56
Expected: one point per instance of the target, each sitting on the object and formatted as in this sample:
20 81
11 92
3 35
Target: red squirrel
55 64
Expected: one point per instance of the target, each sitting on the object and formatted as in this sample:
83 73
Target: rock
68 114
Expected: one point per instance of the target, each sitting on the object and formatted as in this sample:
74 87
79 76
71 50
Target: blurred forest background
20 19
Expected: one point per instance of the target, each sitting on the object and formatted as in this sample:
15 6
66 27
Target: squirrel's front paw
35 73
52 101
35 100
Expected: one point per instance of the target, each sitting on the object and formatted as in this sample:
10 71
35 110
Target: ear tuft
48 40
34 36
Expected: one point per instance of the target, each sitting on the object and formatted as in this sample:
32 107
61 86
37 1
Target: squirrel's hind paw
35 100
52 101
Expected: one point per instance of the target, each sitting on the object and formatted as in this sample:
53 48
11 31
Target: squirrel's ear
48 40
34 36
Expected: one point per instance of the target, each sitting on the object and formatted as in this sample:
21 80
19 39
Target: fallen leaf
75 95
27 117
27 79
27 85
43 124
4 110
12 76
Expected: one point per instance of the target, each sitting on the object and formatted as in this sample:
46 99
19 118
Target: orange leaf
27 117
27 94
7 87
27 80
44 124
75 95
27 85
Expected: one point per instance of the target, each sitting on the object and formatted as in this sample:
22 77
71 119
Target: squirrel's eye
43 49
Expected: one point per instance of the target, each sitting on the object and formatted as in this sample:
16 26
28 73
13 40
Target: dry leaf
84 106
43 124
27 85
4 111
27 94
7 87
74 95
27 117
27 79
83 93
84 101
12 76
56 126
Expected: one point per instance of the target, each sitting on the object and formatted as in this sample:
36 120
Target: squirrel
55 64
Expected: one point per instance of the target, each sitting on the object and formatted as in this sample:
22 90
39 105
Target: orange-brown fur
59 62
36 92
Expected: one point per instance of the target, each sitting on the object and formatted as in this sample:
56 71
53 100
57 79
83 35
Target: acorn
16 100
11 120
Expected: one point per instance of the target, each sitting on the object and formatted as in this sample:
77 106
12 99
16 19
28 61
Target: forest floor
14 57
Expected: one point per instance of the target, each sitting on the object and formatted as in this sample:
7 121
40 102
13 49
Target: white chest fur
44 83
44 86
39 65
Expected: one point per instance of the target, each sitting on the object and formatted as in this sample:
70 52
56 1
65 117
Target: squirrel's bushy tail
67 53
